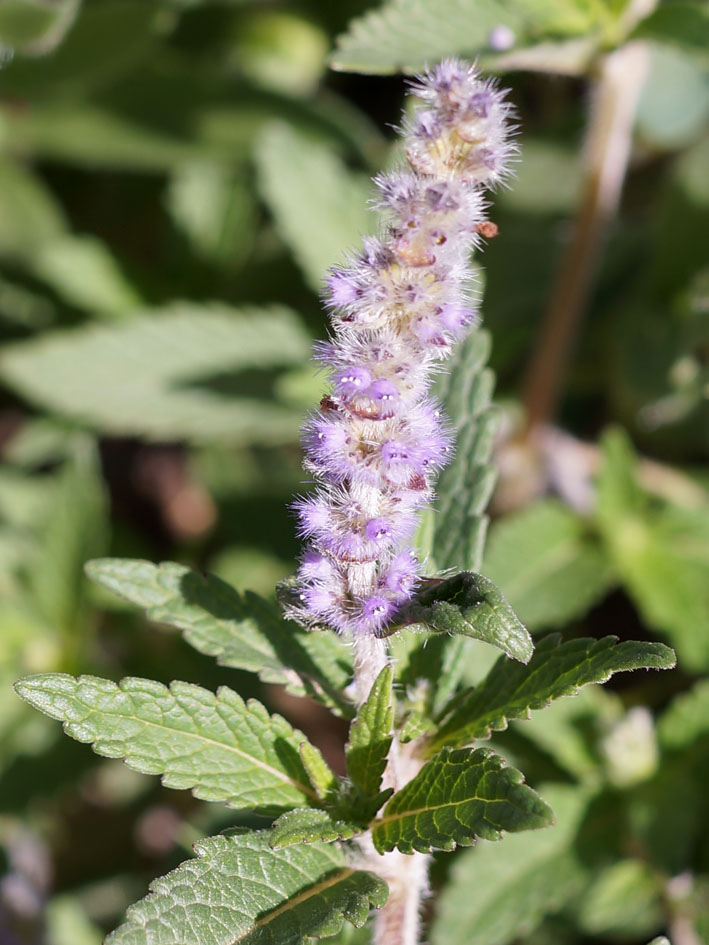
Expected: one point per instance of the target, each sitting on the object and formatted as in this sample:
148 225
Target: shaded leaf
497 893
213 207
660 551
84 273
686 719
219 747
166 374
306 825
465 486
370 736
35 28
107 39
456 797
320 207
321 775
511 690
682 23
29 214
469 604
242 631
547 567
624 900
74 529
240 890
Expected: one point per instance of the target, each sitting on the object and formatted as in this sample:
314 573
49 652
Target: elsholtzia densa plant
397 308
334 848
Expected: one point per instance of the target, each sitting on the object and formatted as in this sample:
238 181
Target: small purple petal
374 614
352 380
344 290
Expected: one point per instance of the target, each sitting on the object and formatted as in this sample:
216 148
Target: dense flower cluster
397 307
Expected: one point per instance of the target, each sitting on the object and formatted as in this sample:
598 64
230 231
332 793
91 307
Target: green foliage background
175 177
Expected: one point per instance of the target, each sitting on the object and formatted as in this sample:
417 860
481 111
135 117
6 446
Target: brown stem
616 93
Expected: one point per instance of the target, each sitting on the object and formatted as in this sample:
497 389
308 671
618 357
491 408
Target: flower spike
396 307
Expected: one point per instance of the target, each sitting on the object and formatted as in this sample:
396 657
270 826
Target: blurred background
175 178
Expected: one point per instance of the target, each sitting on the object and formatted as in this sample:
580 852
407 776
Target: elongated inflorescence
397 307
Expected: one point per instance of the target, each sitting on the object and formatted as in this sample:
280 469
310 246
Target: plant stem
620 80
370 658
398 923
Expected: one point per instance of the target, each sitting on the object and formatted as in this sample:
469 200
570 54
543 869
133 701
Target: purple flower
397 307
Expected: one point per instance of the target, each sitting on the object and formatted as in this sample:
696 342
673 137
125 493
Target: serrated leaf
167 374
240 890
370 736
241 631
410 34
416 725
547 567
321 775
458 796
499 892
319 205
469 604
219 747
511 690
307 825
465 486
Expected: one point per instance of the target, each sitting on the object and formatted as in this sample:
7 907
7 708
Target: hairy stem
370 658
621 77
399 922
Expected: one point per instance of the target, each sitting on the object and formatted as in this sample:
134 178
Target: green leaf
465 486
68 923
469 604
671 115
498 893
321 776
683 23
306 825
107 39
240 890
84 273
410 34
624 901
87 135
241 631
455 798
35 27
686 719
219 747
660 551
74 528
170 374
319 206
29 214
557 669
370 736
547 567
213 206
415 726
